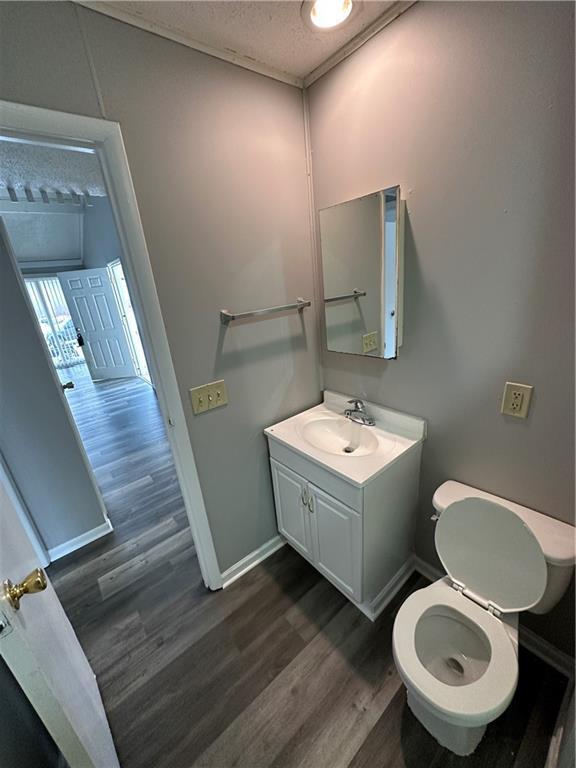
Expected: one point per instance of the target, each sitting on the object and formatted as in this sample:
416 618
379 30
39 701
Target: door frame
105 137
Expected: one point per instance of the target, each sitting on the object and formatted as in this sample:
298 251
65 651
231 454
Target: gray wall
218 161
101 244
36 437
469 107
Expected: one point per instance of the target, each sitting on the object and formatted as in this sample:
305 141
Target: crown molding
112 10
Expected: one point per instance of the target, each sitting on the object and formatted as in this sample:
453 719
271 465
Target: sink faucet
359 414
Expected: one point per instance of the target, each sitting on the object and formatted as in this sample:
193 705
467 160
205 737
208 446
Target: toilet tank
557 539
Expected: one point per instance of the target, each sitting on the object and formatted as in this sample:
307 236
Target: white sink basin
355 452
339 436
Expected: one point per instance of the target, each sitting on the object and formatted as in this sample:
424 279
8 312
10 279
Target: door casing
104 137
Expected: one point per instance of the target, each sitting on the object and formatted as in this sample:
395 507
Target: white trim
230 575
61 550
106 138
111 9
395 10
24 516
53 266
553 656
386 594
38 207
427 570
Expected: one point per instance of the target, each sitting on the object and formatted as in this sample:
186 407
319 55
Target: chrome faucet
359 414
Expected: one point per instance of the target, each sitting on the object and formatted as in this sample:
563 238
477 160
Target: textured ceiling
271 33
49 168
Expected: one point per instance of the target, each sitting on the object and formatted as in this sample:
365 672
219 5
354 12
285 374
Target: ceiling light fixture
326 14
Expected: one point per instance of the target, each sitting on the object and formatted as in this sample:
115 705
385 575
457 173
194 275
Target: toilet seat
478 702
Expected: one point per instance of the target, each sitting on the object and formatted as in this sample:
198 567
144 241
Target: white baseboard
230 575
426 570
534 643
80 541
386 594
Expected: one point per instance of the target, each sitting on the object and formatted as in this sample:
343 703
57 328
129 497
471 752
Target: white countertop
395 432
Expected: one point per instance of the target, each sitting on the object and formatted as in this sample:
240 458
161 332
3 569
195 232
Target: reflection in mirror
362 265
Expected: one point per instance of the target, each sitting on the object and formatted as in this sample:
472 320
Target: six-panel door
95 314
290 491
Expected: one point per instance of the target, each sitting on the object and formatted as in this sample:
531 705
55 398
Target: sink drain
454 665
348 449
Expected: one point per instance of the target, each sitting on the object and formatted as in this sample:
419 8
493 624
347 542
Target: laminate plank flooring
277 671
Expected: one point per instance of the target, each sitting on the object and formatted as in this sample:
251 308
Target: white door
41 649
291 497
337 534
94 311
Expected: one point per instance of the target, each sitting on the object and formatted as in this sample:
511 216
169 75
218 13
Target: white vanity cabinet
352 517
325 531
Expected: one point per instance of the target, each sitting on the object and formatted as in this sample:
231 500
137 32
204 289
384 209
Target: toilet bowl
455 642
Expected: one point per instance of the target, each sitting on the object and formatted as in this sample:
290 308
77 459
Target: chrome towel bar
226 316
354 295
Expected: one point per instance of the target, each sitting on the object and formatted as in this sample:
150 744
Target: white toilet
456 642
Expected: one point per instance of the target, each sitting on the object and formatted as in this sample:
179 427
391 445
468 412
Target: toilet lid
492 552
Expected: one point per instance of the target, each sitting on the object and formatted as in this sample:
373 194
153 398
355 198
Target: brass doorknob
34 582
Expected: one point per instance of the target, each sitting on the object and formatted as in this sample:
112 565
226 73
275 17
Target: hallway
123 433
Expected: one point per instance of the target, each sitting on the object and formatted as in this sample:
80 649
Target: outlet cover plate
370 342
516 399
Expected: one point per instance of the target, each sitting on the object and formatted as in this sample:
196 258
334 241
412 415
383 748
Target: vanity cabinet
325 531
351 516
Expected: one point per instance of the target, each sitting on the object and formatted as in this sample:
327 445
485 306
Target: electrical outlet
369 342
208 396
516 399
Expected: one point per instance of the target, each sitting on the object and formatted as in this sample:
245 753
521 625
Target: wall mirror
362 244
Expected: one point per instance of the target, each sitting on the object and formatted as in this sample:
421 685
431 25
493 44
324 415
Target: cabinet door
337 534
290 494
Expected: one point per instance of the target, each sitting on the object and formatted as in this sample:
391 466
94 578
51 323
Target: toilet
455 643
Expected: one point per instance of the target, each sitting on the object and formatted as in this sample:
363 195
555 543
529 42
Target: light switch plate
516 399
208 396
369 342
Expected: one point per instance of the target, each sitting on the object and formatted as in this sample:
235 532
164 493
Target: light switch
217 394
208 396
516 399
199 399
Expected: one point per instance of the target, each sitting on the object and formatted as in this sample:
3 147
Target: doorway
130 423
55 321
69 255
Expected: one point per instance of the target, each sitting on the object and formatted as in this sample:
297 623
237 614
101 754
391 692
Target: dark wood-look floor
279 670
